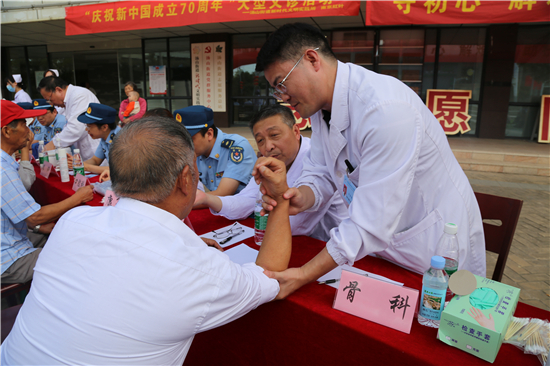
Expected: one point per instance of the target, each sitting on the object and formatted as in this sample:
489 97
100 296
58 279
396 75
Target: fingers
291 192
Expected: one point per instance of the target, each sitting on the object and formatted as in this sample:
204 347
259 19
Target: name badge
46 169
348 190
110 198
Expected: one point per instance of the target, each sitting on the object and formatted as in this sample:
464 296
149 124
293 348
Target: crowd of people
133 284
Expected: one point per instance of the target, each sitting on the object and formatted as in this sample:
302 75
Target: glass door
98 72
401 55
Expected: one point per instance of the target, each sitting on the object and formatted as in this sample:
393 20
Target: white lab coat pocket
414 247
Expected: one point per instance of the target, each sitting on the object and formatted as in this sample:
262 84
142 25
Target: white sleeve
243 289
389 138
27 174
241 205
315 173
74 130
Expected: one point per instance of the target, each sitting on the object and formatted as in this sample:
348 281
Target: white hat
17 78
55 72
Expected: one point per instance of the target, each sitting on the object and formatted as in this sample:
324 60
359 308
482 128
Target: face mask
10 88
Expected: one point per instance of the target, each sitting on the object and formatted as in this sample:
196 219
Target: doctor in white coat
75 100
376 143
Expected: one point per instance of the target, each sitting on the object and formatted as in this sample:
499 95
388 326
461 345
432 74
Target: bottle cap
450 228
438 262
77 151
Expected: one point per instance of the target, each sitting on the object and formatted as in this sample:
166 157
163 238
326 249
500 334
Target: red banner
456 12
130 15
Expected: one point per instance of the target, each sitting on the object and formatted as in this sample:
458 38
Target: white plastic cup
63 166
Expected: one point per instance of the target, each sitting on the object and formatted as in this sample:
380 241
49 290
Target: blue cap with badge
98 113
25 105
41 104
195 118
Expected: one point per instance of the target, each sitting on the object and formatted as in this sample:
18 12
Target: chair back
498 238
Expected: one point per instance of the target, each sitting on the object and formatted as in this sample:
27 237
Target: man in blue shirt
46 126
101 124
19 210
225 161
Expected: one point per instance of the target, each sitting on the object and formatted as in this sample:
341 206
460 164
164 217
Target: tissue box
476 323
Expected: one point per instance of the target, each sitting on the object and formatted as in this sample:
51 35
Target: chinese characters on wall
208 75
450 107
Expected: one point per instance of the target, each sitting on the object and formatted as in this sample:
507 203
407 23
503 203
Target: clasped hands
270 173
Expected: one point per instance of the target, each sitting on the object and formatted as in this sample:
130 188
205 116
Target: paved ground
528 265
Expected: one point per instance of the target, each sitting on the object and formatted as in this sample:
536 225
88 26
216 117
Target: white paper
242 254
157 79
336 273
238 233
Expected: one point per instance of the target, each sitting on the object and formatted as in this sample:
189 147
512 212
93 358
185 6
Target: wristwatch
36 228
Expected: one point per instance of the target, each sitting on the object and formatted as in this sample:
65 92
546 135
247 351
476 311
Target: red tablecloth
304 329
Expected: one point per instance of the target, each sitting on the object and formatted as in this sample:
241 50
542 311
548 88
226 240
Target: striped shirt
17 205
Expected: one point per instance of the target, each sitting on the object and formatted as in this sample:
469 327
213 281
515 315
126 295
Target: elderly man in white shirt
75 100
132 284
278 136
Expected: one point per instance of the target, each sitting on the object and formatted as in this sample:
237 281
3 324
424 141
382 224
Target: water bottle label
41 159
260 222
433 302
79 171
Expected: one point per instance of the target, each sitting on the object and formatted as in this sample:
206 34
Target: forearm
213 202
277 243
25 155
96 169
321 264
52 212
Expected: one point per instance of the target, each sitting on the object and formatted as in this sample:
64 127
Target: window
530 80
354 46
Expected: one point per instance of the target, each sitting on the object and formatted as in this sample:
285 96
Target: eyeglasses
50 100
280 89
233 230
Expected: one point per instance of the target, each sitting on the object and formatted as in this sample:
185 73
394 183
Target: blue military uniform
102 151
46 133
232 156
101 114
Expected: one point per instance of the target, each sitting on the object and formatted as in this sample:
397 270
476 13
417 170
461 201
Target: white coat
74 133
408 181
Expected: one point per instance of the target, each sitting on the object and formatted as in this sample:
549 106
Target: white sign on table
79 182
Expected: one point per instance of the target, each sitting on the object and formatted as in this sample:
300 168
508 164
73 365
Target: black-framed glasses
280 88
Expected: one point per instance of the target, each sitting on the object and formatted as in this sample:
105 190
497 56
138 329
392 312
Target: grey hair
147 156
273 110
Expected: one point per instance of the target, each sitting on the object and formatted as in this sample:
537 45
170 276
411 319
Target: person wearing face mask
14 84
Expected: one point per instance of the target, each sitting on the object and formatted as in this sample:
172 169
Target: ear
6 132
296 131
183 181
314 58
210 134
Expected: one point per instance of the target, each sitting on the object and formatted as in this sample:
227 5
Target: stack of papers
336 273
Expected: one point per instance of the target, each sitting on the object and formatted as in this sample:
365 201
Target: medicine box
476 323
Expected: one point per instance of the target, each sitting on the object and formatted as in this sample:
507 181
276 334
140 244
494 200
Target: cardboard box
476 323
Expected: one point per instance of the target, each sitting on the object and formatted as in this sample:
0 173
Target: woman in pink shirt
129 87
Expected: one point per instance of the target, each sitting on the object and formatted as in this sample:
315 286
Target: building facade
506 66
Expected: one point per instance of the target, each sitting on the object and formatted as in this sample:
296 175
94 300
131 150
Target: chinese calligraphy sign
352 288
399 303
208 75
450 107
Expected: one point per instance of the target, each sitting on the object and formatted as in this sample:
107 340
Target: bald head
147 156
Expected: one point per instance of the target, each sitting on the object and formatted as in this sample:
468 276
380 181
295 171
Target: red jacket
124 104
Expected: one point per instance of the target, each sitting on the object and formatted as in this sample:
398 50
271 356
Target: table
304 329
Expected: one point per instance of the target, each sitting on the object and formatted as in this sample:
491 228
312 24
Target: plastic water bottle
58 147
260 222
447 247
63 165
434 288
78 164
41 157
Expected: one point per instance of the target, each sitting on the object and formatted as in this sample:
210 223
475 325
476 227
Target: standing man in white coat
75 100
376 143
